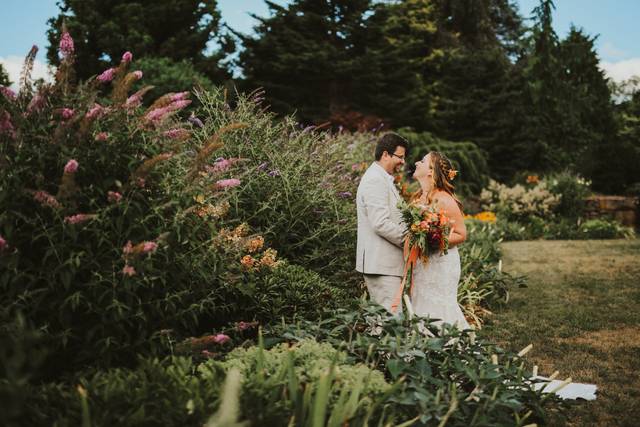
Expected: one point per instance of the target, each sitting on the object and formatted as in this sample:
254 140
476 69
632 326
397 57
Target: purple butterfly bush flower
8 93
127 57
137 74
46 199
263 166
6 126
95 111
3 243
107 75
78 218
102 136
36 103
71 166
179 96
66 113
227 183
66 45
221 339
345 194
274 173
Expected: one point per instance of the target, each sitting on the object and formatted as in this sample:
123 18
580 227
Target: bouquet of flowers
428 229
427 233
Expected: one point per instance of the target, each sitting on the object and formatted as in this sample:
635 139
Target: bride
435 281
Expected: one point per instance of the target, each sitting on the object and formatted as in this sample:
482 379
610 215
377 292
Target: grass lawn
581 311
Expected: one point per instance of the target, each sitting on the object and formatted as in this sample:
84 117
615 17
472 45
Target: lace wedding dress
435 289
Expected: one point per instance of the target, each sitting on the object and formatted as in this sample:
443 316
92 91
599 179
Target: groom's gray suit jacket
380 228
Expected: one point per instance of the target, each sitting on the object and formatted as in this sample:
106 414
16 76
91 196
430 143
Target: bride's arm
451 209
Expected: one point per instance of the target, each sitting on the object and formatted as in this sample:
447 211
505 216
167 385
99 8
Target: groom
380 230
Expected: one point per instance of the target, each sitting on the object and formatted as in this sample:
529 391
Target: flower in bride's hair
452 174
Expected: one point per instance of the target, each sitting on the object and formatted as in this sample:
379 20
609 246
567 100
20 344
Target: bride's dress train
435 289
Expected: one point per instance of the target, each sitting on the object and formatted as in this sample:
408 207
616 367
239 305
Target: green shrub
110 219
169 392
573 191
277 385
444 373
604 229
166 75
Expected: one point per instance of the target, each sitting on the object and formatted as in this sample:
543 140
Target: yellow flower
486 216
199 198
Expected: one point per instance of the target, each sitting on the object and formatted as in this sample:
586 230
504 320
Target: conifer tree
178 30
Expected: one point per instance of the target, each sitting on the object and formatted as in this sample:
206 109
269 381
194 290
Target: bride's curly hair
443 174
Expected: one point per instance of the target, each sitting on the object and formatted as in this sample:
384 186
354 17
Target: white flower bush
519 202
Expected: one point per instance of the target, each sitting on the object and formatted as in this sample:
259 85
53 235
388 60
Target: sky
615 22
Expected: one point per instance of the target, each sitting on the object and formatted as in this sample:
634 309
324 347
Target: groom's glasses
400 157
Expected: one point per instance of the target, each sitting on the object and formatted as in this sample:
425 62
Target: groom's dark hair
389 142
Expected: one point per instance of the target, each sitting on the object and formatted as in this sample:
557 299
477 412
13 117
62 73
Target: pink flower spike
8 93
71 166
137 74
129 271
95 111
133 101
114 197
107 75
78 218
66 113
66 45
178 105
46 199
127 57
3 243
227 183
179 96
102 136
149 247
221 339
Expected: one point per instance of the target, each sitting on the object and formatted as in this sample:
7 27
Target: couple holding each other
381 233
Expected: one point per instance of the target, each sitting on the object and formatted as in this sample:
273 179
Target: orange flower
255 244
532 179
248 262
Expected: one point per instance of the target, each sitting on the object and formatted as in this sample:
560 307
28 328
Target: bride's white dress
435 289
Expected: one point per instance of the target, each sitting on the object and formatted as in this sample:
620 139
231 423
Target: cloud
13 65
610 51
621 70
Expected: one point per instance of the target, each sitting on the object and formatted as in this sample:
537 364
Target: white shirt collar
386 174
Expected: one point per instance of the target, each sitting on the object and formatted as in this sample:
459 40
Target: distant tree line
469 71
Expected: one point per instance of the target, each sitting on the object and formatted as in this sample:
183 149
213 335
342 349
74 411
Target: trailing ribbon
411 255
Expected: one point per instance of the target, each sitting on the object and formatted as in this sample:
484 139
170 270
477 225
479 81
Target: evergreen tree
309 56
4 77
477 83
104 30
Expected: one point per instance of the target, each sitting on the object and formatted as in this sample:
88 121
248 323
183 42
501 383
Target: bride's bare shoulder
444 200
